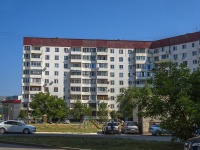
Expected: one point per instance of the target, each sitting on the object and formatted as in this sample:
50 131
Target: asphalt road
125 136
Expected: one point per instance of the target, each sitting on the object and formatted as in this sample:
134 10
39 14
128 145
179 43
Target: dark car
192 144
130 127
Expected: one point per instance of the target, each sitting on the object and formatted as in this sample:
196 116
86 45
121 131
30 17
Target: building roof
186 38
61 42
64 42
11 101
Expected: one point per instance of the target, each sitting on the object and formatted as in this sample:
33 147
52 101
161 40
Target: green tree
115 114
79 109
22 114
103 112
127 100
44 103
173 98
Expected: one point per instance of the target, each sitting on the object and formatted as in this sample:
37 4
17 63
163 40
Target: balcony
36 51
75 60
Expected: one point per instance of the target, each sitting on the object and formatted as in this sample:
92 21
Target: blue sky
99 19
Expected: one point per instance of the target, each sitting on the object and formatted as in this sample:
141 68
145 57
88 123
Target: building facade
96 71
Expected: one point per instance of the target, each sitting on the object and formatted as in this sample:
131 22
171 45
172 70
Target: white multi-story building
96 71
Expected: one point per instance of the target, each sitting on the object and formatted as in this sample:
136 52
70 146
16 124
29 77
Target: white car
16 127
157 130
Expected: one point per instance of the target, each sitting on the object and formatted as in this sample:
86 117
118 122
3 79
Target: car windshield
114 124
131 124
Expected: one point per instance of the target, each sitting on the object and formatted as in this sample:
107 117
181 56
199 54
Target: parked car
157 130
130 127
107 128
16 126
192 144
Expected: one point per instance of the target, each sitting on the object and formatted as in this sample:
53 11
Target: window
46 73
111 50
194 53
193 45
140 57
112 90
195 61
184 55
66 50
47 65
174 48
129 59
185 63
130 82
184 46
121 90
56 73
120 59
55 89
47 49
46 81
56 57
130 66
121 82
65 65
47 57
112 59
121 66
112 66
56 65
112 106
56 81
156 51
65 57
112 82
121 51
27 48
130 51
56 49
175 56
112 98
121 74
112 74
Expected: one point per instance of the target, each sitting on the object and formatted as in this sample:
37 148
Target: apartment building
96 71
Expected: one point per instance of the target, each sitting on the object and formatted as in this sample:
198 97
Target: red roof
186 38
61 42
11 101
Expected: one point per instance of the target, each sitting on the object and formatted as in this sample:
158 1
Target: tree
22 114
44 103
103 112
173 98
127 100
79 109
115 114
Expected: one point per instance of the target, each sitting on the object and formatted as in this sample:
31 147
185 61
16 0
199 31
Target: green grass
77 128
96 143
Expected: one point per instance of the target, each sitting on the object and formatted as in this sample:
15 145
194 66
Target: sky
145 20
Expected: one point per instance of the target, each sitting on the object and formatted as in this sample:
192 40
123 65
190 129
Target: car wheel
157 133
26 131
2 131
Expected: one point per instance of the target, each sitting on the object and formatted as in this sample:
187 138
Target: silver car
107 128
16 127
130 127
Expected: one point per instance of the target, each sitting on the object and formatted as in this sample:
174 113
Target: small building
10 109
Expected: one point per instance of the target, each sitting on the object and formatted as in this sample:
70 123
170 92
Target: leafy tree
115 114
79 110
127 100
103 112
44 103
22 114
173 98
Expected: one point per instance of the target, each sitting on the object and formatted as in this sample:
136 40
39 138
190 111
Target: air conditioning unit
51 83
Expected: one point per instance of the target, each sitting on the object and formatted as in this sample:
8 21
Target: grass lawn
96 143
66 128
